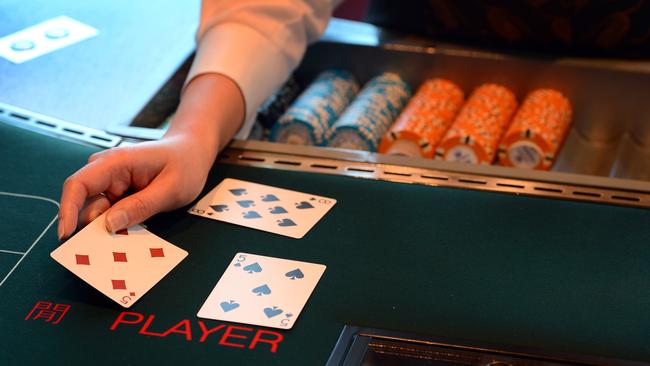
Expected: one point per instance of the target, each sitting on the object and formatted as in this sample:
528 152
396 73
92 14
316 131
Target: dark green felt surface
7 261
22 220
547 274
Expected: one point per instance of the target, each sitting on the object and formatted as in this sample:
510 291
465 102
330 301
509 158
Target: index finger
88 181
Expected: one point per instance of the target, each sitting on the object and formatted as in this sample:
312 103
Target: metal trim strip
434 177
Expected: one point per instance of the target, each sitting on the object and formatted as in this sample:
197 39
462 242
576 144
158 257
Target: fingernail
116 220
60 229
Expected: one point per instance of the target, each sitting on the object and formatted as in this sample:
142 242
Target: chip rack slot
547 189
433 177
590 194
250 158
509 185
471 181
397 173
287 162
360 170
323 166
102 138
626 198
19 116
77 132
46 124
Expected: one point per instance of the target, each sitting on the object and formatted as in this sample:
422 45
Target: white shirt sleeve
257 43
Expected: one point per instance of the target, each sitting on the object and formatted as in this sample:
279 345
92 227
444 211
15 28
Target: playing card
43 38
263 207
261 290
124 265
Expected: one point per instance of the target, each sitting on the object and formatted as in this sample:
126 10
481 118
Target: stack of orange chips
537 131
475 134
424 121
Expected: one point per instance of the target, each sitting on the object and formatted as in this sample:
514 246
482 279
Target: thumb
140 206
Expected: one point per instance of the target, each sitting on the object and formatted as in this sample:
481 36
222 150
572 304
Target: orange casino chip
475 134
424 121
537 131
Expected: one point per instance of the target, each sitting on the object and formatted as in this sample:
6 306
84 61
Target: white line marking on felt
20 195
11 252
28 250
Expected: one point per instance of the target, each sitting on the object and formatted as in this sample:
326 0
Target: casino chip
424 121
475 134
537 131
309 119
257 132
273 108
371 113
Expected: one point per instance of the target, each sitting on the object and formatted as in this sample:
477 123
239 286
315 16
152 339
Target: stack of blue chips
370 115
310 118
272 109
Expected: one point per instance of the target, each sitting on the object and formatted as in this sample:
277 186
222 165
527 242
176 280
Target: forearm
256 43
210 113
246 50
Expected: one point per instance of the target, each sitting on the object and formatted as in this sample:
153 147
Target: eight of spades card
263 207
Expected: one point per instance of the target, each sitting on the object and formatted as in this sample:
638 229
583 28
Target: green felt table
553 275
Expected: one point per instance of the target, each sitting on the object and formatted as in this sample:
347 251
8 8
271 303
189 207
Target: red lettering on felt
273 342
49 312
206 332
146 325
228 334
120 319
184 327
187 329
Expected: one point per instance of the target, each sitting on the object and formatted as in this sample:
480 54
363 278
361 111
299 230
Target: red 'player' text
228 335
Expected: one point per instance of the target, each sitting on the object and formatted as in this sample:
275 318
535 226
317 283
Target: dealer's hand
133 183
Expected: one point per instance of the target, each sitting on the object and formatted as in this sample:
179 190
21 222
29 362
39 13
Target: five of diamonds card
124 265
261 290
263 207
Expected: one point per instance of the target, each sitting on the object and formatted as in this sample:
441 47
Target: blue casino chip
370 115
311 116
272 109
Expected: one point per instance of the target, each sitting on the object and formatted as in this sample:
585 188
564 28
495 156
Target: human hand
164 175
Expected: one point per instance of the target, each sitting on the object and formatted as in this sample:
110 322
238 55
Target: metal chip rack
610 135
605 158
